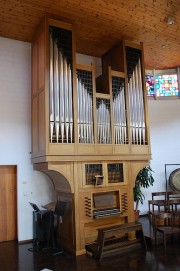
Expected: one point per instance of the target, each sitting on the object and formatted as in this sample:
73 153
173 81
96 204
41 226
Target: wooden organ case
89 135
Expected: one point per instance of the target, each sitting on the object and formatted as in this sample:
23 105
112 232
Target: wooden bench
115 239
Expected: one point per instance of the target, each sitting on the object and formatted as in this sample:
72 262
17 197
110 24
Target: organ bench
115 239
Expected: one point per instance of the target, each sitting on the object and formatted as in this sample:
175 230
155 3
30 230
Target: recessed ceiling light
170 20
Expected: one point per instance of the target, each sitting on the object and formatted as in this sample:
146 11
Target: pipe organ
89 134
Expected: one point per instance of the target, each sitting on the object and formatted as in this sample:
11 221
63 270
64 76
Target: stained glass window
150 85
161 84
166 85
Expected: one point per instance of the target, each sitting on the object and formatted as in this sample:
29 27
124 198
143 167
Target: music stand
59 211
35 207
43 227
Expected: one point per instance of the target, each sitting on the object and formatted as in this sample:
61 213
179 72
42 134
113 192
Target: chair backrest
158 195
157 205
174 205
163 219
173 195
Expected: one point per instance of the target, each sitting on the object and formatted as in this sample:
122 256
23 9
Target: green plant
143 179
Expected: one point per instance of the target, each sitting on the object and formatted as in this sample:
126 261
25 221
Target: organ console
89 134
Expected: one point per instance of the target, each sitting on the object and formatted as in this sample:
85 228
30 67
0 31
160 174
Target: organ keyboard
106 212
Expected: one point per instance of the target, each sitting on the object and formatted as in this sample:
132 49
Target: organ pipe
119 111
85 106
51 91
103 121
136 100
61 90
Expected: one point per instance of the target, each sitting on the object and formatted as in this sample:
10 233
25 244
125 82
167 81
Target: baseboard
25 242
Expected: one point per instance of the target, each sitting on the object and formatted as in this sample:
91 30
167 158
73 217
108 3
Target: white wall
15 131
89 60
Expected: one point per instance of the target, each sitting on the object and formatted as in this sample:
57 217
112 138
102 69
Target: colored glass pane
166 85
150 85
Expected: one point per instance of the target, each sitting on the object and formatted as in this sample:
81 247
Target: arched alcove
59 180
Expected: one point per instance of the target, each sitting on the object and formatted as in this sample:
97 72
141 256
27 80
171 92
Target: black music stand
43 228
59 211
35 207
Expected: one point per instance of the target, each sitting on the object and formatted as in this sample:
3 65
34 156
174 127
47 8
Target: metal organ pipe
51 91
66 98
132 107
103 122
141 100
135 120
80 113
123 113
84 114
119 111
56 90
70 103
138 108
61 76
85 108
61 91
136 104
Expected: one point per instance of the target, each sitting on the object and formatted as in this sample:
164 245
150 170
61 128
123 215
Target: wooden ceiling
102 23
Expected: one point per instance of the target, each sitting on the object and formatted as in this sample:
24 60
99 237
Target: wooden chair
164 223
155 207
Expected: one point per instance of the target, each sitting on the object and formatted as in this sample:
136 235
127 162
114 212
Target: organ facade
90 134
